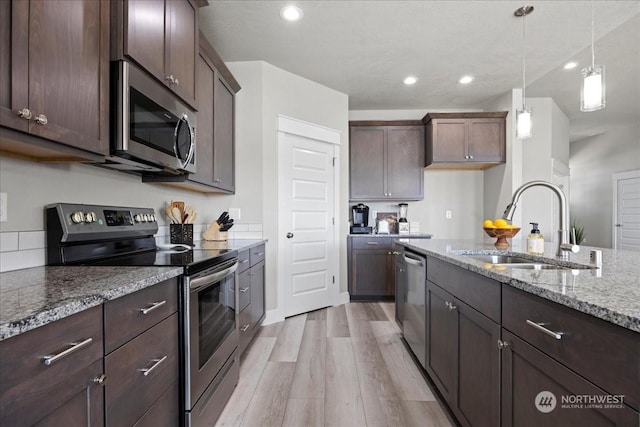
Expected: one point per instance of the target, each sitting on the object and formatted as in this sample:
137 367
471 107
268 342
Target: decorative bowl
502 234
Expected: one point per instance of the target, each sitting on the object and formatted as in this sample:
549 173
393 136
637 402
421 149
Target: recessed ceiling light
570 65
291 13
410 80
465 80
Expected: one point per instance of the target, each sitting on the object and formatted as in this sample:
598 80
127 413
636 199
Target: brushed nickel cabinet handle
244 328
100 380
243 290
25 113
157 363
41 119
260 253
502 344
244 261
372 243
75 346
217 180
154 305
541 328
450 306
176 82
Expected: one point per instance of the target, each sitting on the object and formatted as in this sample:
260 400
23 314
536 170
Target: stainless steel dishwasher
414 319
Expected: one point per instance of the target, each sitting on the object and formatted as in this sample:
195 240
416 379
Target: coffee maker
360 219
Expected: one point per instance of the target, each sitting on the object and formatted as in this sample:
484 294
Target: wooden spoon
176 215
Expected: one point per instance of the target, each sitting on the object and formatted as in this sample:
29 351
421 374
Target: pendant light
523 115
592 92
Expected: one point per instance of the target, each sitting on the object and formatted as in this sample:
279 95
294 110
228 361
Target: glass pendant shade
523 123
592 95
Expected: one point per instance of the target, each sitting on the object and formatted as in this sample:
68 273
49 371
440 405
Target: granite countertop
33 297
36 296
611 293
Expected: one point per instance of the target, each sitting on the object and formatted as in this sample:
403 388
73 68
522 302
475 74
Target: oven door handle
204 281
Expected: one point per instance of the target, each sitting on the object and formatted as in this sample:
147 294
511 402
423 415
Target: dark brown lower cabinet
463 358
527 372
371 268
250 288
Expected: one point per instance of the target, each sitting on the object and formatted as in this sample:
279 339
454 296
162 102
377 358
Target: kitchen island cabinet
465 140
385 160
251 274
162 37
54 79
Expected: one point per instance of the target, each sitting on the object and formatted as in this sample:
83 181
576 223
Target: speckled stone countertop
36 296
611 293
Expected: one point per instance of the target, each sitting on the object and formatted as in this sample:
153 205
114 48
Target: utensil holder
181 233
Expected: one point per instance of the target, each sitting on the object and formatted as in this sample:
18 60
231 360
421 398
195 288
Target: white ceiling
366 48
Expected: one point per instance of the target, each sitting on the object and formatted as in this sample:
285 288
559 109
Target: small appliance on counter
403 225
360 219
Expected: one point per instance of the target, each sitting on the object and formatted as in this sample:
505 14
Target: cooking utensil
177 215
170 215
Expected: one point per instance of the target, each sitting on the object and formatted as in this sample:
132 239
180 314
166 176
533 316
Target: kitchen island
500 341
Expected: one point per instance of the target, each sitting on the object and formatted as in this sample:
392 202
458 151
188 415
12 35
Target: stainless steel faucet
565 247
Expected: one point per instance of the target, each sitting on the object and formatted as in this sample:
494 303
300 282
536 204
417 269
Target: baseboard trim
343 298
272 316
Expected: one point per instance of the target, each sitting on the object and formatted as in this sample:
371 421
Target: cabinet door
486 140
405 163
367 163
69 72
145 35
14 44
526 372
442 335
223 135
449 140
204 131
478 376
369 274
182 47
257 294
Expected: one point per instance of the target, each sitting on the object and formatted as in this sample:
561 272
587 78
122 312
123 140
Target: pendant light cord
524 63
593 19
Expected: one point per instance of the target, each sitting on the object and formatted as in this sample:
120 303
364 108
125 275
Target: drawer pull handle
541 328
372 243
157 363
260 253
243 290
75 346
450 306
155 305
100 380
245 327
244 261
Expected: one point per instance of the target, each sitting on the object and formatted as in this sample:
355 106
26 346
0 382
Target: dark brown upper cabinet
386 160
215 134
162 37
54 78
465 140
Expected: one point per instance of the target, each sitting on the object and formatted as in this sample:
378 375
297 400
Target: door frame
289 125
616 177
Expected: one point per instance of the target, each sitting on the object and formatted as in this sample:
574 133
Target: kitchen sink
514 261
502 259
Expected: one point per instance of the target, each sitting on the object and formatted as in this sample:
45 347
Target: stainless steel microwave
153 130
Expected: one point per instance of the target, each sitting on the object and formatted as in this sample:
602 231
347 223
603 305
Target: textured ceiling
366 48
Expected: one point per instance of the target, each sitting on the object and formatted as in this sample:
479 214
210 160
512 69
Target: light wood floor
340 366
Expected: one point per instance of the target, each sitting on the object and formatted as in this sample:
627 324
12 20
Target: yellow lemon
488 224
501 223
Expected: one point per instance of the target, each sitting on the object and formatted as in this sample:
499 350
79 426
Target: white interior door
627 211
307 231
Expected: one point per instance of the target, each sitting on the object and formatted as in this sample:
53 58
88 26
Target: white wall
281 92
459 191
593 162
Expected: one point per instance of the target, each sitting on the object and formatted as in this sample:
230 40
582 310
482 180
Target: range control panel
77 222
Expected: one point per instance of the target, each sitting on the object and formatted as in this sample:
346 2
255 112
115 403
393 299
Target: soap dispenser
535 241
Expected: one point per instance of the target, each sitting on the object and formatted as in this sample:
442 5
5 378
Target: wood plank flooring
340 366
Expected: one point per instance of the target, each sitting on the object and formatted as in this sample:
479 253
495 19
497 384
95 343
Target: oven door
210 327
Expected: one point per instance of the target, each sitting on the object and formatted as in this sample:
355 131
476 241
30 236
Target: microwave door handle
184 120
204 281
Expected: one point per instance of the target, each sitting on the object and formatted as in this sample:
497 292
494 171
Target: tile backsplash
25 249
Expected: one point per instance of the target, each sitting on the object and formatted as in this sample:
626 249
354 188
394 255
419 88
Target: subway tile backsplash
26 249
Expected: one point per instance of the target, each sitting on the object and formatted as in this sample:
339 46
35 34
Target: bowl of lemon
500 229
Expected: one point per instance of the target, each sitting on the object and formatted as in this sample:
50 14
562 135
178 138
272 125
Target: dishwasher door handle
413 261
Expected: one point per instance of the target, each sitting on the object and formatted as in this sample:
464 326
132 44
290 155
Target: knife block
213 233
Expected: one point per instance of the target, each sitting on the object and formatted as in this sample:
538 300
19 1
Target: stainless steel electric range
124 236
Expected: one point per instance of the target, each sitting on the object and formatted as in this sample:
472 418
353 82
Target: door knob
289 235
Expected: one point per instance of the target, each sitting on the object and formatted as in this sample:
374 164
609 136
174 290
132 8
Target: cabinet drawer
28 387
131 315
257 254
478 291
165 412
243 260
372 243
244 289
245 328
603 353
140 371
